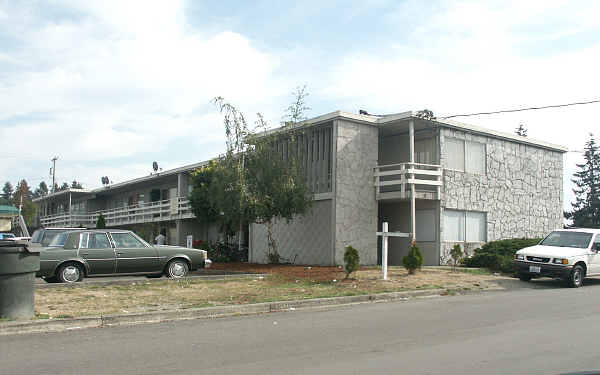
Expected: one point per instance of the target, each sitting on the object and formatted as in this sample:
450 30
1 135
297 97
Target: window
465 156
425 225
72 241
596 245
125 240
460 226
94 241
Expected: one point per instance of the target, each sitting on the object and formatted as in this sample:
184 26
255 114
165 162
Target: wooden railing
393 181
170 209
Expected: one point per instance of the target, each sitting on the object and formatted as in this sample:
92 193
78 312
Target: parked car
571 254
44 236
73 255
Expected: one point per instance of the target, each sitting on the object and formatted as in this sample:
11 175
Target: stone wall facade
355 203
521 191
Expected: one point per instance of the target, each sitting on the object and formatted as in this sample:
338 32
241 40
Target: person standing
160 239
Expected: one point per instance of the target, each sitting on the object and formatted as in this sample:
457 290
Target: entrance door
97 251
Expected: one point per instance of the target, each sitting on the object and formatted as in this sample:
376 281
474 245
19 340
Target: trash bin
18 265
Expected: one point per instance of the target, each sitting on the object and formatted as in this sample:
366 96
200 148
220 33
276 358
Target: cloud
114 80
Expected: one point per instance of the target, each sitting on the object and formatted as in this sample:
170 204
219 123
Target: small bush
414 260
456 253
222 252
351 260
273 257
499 255
100 222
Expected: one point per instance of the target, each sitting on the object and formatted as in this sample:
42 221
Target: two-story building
443 182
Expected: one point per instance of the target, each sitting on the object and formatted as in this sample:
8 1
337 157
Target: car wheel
576 277
524 277
177 268
70 273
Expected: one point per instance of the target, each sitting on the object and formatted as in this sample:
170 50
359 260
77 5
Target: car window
35 238
48 237
568 239
72 241
124 240
98 241
59 240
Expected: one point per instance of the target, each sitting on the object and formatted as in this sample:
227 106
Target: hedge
499 255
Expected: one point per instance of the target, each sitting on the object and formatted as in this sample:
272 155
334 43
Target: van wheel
524 277
576 277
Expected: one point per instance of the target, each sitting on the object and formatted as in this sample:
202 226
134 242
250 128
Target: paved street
545 330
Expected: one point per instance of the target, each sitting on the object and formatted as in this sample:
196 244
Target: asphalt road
546 330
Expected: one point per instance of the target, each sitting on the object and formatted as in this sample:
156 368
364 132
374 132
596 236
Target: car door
594 258
133 256
97 250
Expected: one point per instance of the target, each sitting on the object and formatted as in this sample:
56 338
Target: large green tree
22 197
259 179
586 208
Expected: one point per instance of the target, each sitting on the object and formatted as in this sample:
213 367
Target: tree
7 191
64 186
41 191
521 131
100 222
76 185
22 197
586 208
255 181
351 260
414 260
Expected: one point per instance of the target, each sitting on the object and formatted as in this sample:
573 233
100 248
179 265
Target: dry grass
289 283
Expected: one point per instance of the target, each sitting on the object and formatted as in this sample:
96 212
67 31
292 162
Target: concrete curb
144 280
57 325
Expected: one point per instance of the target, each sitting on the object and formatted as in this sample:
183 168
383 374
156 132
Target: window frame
465 147
465 234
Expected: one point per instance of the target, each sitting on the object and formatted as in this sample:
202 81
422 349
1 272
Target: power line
521 109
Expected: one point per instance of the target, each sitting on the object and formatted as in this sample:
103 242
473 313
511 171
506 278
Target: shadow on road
542 283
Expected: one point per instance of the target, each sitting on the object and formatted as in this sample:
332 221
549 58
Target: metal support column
411 131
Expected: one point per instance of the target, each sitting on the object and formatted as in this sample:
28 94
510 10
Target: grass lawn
282 282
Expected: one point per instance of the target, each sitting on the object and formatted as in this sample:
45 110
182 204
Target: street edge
59 325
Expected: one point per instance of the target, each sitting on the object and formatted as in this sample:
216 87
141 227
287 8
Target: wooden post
384 250
411 131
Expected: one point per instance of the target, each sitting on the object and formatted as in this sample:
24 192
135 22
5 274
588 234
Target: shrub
273 257
222 252
100 222
351 260
499 255
414 259
456 253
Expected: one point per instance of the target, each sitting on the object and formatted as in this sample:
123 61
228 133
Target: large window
465 156
461 226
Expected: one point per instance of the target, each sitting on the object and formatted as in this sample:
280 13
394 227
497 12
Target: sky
108 86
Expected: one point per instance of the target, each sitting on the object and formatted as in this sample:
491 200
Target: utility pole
53 160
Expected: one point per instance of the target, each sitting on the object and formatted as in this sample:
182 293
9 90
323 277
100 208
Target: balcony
393 181
170 209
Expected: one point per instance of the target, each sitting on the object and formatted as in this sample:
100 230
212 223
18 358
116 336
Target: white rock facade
521 191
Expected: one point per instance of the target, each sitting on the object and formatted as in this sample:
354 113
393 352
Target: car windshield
6 235
58 240
568 239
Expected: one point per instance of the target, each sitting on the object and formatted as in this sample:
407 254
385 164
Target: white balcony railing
170 209
393 181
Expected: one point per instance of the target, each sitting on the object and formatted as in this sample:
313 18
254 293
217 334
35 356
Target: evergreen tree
41 191
586 208
76 185
7 191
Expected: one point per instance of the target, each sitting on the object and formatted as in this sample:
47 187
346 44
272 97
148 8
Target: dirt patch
282 283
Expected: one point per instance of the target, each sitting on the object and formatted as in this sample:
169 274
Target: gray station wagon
73 255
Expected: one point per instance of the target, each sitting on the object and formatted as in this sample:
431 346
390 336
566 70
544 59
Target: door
594 263
96 249
132 255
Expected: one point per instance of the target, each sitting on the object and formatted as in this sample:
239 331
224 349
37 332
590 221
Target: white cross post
384 245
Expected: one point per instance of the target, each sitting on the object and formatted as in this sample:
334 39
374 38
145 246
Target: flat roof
377 120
